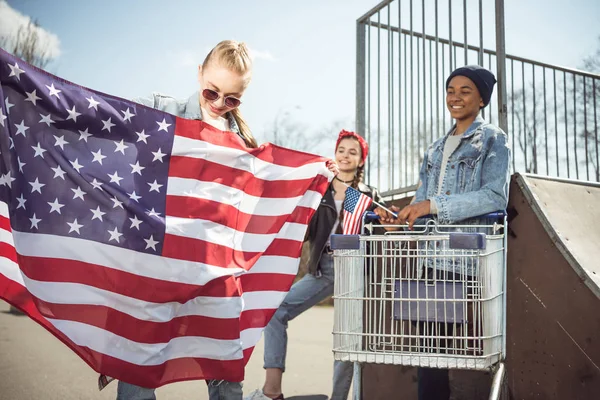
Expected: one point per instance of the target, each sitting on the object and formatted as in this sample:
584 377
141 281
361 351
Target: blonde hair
234 56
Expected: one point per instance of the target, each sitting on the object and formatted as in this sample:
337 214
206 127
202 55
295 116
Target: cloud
10 22
261 55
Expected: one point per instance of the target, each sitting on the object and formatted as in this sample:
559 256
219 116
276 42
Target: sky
305 51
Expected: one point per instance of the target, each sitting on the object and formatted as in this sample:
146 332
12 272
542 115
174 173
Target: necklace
346 182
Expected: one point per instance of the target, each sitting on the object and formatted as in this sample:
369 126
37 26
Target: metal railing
405 51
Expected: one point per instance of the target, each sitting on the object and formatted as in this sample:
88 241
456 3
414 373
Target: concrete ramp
553 301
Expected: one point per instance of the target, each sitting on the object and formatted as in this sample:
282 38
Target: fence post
360 78
501 67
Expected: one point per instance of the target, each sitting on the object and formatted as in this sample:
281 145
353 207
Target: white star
141 136
21 164
84 135
107 124
60 141
46 119
32 97
93 103
21 201
55 206
12 142
152 213
98 157
21 128
127 115
73 114
36 186
38 150
53 91
117 203
8 105
151 243
35 221
115 235
58 172
97 213
115 178
136 168
75 164
162 126
74 226
96 184
3 117
78 193
135 223
120 146
158 155
134 196
15 71
8 180
155 186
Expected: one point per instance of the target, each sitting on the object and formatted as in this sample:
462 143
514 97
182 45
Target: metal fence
405 51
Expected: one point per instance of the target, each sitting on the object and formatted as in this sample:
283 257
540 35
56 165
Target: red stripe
266 282
256 318
270 153
183 248
124 283
8 251
208 171
5 223
228 215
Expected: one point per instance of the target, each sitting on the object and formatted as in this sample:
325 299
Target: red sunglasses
229 101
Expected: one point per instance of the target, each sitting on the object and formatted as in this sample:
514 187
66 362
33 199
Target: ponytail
244 128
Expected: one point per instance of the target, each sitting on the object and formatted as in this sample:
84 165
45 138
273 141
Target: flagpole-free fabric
156 248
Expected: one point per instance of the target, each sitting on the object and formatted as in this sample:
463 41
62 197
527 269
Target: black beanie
481 77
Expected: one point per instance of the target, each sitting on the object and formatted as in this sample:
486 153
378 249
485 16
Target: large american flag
156 248
355 205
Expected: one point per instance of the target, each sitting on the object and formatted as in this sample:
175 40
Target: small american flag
355 206
156 248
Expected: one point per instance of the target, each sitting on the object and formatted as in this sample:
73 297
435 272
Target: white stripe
76 293
216 233
243 202
6 237
264 299
239 159
250 337
119 347
153 266
4 209
276 265
11 270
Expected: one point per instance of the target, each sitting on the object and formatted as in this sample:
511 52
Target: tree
27 45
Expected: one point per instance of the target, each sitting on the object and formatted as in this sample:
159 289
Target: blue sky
305 61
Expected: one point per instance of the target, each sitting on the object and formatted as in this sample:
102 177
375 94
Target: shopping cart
431 297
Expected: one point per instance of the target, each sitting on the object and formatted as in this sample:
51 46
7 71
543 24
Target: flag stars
98 157
78 193
117 202
121 146
3 117
76 166
74 226
21 164
134 196
60 141
46 119
53 91
21 128
39 151
8 105
107 124
135 223
136 168
93 103
158 155
32 97
7 179
127 115
115 178
152 213
84 135
34 222
151 243
15 71
155 186
115 235
97 213
22 200
96 184
73 114
36 186
58 172
55 206
162 126
141 136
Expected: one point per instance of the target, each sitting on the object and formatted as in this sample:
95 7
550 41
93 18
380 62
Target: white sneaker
259 395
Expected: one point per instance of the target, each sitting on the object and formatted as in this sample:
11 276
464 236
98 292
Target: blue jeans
304 294
217 390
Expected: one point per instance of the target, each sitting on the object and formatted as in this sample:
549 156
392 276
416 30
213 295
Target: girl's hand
385 218
333 167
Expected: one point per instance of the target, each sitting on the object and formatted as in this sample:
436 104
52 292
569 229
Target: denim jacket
477 174
188 109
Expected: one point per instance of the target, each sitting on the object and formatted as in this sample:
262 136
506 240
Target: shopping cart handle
371 216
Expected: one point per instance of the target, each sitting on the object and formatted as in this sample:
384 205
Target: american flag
355 205
156 248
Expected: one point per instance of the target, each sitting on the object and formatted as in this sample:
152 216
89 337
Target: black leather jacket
324 219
